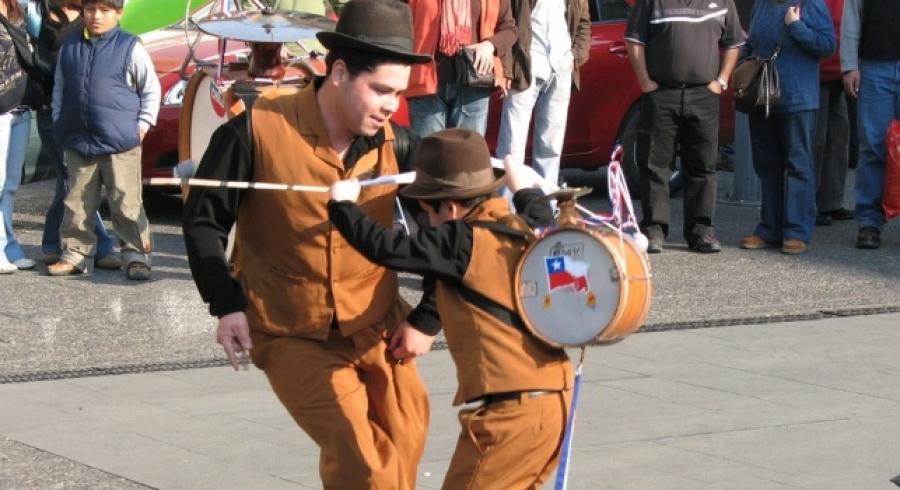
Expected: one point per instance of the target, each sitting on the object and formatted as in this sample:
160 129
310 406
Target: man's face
370 99
440 216
100 19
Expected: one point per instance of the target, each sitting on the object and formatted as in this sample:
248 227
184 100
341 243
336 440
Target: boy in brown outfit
512 437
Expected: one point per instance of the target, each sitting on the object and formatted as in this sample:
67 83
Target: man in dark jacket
674 48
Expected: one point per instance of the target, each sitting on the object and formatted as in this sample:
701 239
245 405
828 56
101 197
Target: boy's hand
143 132
518 176
407 343
345 190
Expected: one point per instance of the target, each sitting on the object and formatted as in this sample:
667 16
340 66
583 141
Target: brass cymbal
265 26
569 193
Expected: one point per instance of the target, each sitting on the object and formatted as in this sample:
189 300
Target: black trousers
684 120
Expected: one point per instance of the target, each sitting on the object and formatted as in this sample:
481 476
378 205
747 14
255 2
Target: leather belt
511 395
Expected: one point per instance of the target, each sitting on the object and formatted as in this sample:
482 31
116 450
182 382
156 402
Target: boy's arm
56 101
143 74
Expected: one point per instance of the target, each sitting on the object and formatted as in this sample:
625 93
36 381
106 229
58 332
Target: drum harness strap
248 95
481 301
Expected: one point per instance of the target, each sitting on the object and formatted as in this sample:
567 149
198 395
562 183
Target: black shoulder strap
492 308
500 228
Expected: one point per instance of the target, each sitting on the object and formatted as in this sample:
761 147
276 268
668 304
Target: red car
603 112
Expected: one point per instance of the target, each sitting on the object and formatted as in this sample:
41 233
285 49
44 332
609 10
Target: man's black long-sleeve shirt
209 214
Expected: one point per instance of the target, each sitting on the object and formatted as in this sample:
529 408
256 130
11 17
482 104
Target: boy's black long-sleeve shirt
438 253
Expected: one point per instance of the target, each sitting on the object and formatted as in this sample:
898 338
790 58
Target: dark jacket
518 61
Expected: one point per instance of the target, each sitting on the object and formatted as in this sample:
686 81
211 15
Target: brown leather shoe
793 246
755 242
62 268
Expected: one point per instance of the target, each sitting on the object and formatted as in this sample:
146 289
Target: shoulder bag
756 83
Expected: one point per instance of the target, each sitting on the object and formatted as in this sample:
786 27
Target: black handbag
468 75
35 62
756 83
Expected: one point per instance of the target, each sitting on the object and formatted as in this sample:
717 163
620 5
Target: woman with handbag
782 129
15 127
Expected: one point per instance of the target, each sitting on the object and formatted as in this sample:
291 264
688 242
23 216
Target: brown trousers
368 414
509 444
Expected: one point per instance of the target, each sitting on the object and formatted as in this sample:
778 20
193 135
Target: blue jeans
453 106
14 130
549 100
50 148
879 103
782 158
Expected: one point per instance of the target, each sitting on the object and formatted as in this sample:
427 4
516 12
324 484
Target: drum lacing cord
562 473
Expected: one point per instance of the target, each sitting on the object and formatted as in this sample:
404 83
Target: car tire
628 140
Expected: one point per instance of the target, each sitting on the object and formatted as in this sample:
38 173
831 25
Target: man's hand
407 343
648 86
792 15
518 176
851 83
233 334
484 56
715 87
345 190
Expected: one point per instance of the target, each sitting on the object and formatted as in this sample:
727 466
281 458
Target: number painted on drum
528 289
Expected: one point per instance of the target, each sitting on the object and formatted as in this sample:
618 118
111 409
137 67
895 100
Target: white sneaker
24 264
7 267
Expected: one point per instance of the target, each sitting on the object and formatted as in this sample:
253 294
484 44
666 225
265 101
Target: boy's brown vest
491 356
296 269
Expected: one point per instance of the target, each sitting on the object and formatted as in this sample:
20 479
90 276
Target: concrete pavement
803 405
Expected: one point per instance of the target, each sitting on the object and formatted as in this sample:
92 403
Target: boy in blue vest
105 99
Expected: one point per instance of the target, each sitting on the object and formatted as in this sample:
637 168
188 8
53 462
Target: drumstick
404 178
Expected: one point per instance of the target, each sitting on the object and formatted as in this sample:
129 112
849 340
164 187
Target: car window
611 10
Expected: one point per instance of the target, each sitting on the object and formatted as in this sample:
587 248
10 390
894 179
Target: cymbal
569 193
264 26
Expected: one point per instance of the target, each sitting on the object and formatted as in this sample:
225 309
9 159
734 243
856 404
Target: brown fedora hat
453 164
375 26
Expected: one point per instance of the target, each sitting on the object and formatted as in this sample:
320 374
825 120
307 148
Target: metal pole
745 189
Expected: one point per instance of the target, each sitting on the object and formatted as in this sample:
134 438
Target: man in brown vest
326 326
518 387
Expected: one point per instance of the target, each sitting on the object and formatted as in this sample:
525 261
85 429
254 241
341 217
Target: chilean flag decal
564 271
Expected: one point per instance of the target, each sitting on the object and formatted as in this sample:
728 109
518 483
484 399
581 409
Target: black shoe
654 245
869 237
823 219
707 244
840 214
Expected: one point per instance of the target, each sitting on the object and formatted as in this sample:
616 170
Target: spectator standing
870 58
105 99
782 142
437 98
15 127
328 327
554 39
830 150
683 53
52 21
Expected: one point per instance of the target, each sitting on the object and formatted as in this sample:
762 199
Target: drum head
568 287
203 111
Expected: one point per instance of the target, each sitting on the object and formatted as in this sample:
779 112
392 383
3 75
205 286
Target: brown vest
491 356
297 270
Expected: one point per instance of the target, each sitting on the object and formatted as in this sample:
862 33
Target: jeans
15 128
50 148
549 100
831 146
687 119
453 106
782 158
878 104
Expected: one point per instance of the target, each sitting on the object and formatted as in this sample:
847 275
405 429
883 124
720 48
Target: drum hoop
520 307
186 117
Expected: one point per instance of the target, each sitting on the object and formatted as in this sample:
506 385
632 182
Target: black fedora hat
453 164
375 26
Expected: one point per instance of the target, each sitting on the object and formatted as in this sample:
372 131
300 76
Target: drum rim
518 298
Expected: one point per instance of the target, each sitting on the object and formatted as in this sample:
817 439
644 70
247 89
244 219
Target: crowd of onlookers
94 93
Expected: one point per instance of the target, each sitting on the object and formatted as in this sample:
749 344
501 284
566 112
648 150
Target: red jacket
830 68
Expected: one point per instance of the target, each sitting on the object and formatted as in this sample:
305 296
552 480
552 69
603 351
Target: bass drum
576 287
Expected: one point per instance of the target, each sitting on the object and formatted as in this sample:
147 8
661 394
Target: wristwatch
723 83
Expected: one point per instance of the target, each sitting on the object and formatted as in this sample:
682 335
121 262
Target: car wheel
628 140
